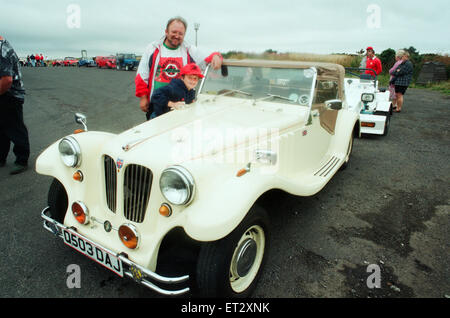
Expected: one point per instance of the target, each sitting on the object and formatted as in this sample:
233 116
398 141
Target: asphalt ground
389 208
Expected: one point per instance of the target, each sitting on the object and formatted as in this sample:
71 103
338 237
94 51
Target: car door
322 121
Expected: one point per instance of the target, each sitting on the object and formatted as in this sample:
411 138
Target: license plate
93 251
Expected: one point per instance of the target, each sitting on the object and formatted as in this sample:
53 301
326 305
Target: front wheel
231 266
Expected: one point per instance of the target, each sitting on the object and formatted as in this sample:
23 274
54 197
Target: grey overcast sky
59 28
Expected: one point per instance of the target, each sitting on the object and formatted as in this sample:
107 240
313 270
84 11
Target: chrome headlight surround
134 236
70 152
177 185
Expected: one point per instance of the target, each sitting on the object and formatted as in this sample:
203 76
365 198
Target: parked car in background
371 102
106 61
126 61
85 60
187 187
58 62
70 61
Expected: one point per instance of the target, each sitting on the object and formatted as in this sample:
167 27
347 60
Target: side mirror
335 104
81 119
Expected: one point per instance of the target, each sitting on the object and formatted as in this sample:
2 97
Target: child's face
190 81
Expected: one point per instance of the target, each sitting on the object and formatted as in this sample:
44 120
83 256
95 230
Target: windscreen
280 85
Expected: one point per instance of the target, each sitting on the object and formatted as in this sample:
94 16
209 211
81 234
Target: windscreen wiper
272 96
231 91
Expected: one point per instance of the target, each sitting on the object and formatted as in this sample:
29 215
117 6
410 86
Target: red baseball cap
191 69
369 48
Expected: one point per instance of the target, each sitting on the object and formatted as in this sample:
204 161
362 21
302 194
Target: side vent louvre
328 167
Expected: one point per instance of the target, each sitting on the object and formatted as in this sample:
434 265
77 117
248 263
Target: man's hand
216 62
5 84
143 103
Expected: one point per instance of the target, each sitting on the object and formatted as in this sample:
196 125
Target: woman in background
402 77
398 61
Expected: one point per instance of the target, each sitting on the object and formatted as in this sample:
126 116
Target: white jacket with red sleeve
169 61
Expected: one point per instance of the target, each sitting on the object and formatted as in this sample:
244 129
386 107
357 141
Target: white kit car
373 104
189 182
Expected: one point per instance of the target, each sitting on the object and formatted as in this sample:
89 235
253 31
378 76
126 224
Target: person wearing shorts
398 61
400 89
401 79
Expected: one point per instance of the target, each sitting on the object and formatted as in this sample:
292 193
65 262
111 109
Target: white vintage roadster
192 178
371 102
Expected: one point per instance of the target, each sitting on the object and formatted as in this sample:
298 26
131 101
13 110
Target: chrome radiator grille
137 183
110 183
136 192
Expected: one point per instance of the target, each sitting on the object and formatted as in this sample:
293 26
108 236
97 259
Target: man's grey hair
179 19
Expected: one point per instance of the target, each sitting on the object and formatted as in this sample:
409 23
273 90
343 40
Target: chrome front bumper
136 272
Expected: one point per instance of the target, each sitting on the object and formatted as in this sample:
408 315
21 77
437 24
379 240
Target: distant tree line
387 58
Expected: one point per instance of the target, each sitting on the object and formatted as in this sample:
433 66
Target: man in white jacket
163 60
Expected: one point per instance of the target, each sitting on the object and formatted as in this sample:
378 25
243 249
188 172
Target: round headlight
177 185
70 151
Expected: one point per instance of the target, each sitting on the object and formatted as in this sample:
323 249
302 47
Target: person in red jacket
163 60
373 62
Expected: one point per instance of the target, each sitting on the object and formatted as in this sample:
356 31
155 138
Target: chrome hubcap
247 258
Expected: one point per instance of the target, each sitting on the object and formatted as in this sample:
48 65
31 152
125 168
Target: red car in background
58 62
106 61
70 61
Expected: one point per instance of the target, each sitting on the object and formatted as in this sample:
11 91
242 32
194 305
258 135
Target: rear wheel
57 201
231 266
386 125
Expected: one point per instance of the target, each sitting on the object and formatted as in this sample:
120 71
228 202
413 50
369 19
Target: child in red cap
178 92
